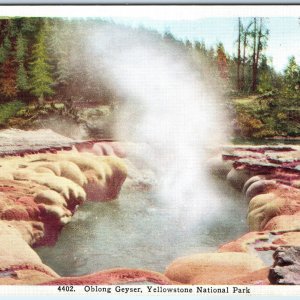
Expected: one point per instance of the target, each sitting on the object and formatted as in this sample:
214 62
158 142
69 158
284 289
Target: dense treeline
262 102
41 61
36 60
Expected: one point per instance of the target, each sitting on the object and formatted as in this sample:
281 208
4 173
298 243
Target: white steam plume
168 106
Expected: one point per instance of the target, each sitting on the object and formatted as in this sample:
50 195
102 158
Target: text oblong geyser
153 289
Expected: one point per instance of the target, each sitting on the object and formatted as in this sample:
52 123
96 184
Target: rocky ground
268 177
45 177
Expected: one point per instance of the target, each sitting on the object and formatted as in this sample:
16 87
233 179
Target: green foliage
248 125
292 72
291 79
9 64
3 54
266 77
21 47
7 43
4 49
40 70
17 36
8 87
267 116
10 109
29 25
38 59
265 83
22 76
59 44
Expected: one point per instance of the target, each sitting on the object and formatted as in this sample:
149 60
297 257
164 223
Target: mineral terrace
44 177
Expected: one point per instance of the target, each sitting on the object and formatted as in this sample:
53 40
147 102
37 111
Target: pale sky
284 37
194 22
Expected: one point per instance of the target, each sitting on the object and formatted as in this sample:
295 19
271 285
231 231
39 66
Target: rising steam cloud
167 105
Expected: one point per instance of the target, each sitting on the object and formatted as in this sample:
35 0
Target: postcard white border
163 12
154 12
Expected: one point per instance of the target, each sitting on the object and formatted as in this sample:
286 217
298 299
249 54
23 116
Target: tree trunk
244 61
254 70
41 100
259 47
239 57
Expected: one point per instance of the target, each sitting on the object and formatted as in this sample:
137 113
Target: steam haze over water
175 118
167 105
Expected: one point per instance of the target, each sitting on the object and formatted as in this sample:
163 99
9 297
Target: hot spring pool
139 231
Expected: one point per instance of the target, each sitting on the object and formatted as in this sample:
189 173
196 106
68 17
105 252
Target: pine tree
41 80
222 62
22 79
8 75
4 49
8 78
267 80
21 48
201 48
22 76
59 48
292 74
29 25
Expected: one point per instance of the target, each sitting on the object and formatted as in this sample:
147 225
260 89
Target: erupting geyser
168 106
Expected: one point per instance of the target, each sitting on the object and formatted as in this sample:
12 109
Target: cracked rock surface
286 267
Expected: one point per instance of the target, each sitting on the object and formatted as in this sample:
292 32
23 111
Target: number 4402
66 288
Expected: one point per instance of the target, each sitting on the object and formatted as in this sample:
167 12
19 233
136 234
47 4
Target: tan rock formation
212 268
38 195
237 178
288 239
242 244
281 200
284 223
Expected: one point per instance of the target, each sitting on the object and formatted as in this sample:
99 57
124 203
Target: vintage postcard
150 150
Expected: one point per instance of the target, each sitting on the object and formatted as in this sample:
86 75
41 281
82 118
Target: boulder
13 248
263 208
280 200
258 187
105 184
286 267
19 264
102 148
252 180
212 268
219 167
284 223
237 178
